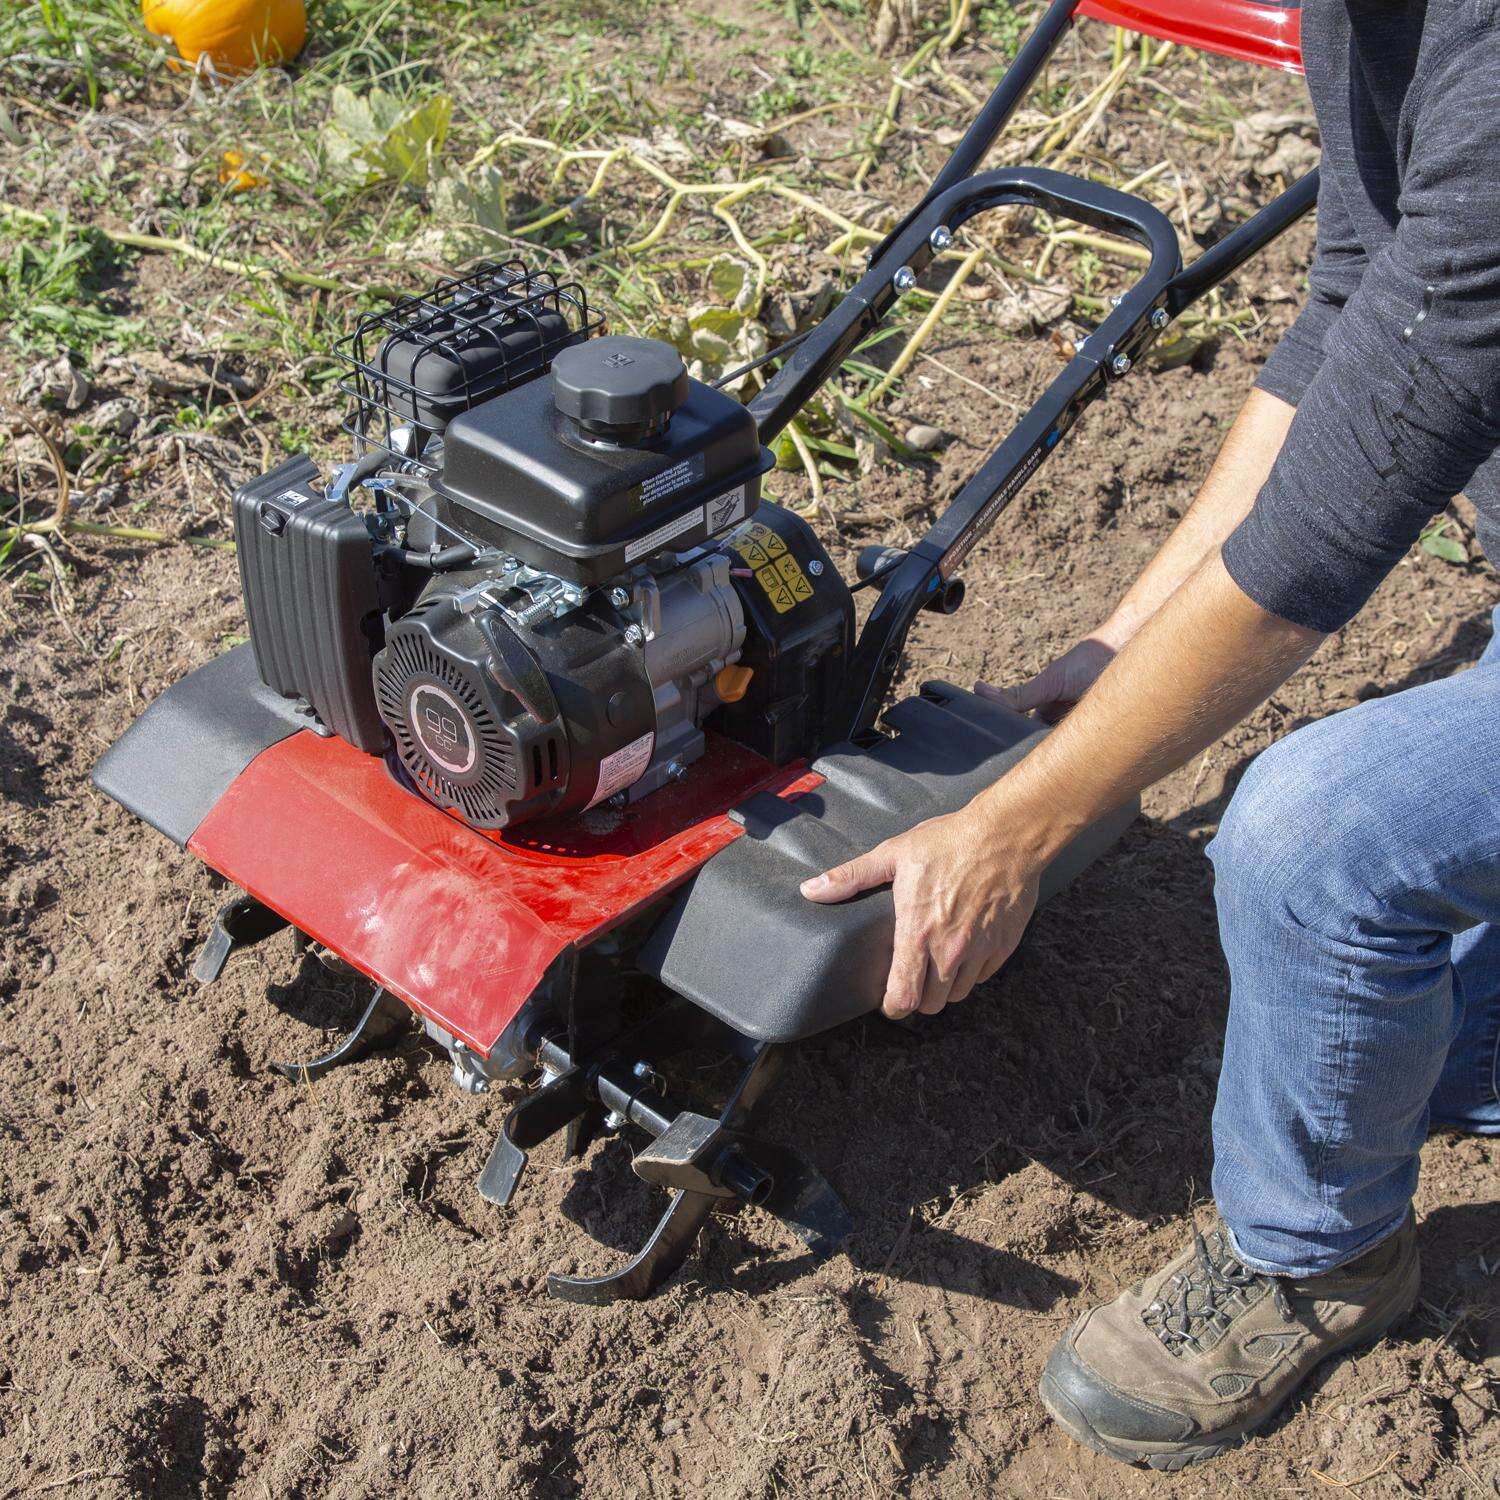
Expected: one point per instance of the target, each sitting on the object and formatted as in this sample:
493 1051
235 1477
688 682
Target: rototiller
546 712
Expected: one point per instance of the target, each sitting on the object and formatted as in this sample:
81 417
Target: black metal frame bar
1108 354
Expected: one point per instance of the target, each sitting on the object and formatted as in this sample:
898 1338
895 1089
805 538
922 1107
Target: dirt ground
217 1283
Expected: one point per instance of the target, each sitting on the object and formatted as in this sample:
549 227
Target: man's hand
1059 685
962 903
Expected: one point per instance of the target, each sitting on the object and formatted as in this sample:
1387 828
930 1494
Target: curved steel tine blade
661 1255
502 1171
583 1131
240 923
557 1104
803 1198
384 1018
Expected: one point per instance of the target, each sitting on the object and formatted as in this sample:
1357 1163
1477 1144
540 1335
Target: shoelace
1207 1296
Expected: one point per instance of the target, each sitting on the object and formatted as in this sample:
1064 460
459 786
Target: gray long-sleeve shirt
1394 364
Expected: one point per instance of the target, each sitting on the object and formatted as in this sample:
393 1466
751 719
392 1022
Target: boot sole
1169 1457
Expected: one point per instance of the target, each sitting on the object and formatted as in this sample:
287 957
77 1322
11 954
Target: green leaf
379 136
411 145
824 445
883 430
733 283
721 322
1449 548
785 450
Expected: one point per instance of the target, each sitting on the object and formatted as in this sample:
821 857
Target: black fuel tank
584 475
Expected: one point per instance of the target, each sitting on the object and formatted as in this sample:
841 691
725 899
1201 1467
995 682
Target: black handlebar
913 248
1136 320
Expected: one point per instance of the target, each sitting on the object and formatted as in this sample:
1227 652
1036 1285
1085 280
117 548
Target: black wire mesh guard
419 362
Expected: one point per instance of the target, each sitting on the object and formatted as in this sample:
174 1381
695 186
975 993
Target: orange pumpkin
236 35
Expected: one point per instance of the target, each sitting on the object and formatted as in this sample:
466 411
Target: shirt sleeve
1406 402
1338 267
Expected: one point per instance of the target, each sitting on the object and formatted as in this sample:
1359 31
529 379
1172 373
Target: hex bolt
675 770
1120 364
613 1120
904 279
1160 318
620 598
940 238
634 635
815 568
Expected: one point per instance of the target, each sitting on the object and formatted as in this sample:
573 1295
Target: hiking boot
1201 1354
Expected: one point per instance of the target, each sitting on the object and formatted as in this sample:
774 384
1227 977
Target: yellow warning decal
757 545
794 578
753 553
781 597
767 538
776 570
784 583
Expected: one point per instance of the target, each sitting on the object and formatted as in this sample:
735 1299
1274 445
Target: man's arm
965 885
1243 464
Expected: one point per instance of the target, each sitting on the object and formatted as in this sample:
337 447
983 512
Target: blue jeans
1357 875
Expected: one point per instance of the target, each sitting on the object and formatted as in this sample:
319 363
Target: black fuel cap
619 389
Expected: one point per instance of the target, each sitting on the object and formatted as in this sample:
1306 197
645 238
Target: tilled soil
216 1282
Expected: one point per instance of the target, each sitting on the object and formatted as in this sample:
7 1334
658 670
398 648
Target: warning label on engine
757 545
669 481
624 768
785 583
724 510
663 534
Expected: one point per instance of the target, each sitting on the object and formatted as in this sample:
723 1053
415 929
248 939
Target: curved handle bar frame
1164 289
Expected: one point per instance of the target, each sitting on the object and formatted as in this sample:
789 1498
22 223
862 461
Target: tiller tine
702 1161
244 922
561 1103
657 1259
802 1198
384 1019
241 923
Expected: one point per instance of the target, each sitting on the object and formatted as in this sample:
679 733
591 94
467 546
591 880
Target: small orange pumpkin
236 174
236 35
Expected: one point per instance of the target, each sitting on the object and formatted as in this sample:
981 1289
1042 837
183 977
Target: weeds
71 47
52 294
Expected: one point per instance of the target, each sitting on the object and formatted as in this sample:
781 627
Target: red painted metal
1258 31
461 923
